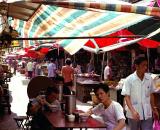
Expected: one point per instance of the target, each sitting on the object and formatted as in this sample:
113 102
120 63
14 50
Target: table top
58 120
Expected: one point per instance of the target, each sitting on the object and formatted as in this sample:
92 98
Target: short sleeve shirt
67 72
107 72
139 92
56 102
51 70
110 115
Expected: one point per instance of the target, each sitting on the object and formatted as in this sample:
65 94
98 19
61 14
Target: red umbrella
44 50
32 53
99 43
148 43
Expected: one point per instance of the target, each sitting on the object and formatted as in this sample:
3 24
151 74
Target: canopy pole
82 37
148 58
102 65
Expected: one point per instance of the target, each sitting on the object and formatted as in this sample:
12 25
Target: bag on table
156 125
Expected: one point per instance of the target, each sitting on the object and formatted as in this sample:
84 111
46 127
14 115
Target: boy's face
142 67
102 95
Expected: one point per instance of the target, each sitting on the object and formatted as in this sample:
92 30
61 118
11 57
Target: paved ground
19 100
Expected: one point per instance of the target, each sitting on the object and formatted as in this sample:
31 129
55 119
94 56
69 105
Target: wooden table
58 120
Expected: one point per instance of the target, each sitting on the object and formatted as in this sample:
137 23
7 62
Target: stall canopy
75 19
105 44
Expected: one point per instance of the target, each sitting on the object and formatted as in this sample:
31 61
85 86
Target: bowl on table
71 118
83 116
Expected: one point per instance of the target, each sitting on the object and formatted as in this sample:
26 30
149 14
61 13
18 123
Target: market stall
156 78
84 85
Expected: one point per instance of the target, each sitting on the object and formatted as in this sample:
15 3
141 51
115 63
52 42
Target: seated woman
110 111
43 103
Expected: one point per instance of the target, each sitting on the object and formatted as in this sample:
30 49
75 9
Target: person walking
108 71
30 69
68 75
52 70
138 88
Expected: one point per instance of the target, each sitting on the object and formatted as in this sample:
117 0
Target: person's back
68 75
52 70
38 70
68 72
108 71
29 66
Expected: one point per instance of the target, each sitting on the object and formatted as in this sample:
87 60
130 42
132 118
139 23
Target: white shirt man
51 70
139 94
138 88
107 73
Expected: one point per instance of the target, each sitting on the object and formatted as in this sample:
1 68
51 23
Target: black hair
139 60
52 89
52 60
68 61
102 86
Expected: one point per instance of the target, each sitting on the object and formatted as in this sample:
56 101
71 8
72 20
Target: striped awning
55 21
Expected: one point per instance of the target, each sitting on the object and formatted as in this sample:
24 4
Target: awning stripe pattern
72 23
54 21
152 11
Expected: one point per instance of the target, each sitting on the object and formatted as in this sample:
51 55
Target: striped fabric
54 21
57 21
152 11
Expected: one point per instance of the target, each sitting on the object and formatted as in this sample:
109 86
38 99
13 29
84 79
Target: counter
83 89
87 76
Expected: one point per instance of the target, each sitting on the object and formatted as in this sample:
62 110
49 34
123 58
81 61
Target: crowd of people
137 89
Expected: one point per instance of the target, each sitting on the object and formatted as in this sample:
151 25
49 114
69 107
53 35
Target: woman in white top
110 111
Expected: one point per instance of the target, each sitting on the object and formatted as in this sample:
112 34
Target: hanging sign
15 43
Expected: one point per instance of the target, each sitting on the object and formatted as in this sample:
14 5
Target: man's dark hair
53 60
139 60
52 89
68 61
102 86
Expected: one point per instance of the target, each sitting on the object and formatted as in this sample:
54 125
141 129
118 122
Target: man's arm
135 114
